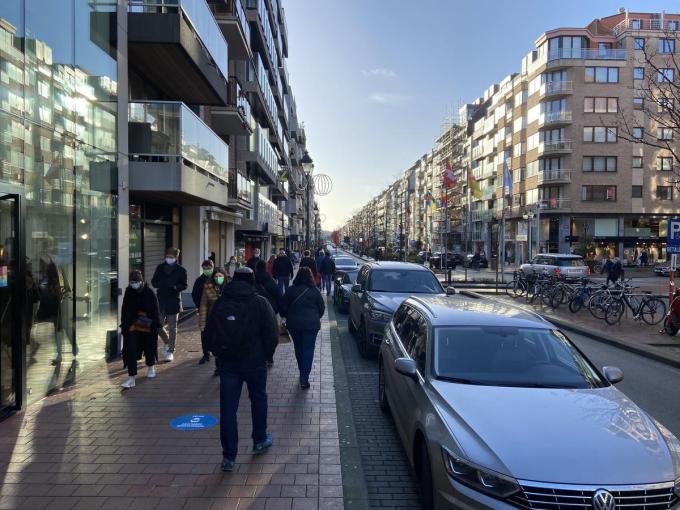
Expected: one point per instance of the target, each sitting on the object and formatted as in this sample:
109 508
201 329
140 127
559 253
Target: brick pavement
92 446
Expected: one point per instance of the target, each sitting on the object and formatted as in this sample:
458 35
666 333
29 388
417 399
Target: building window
639 43
672 26
599 134
664 105
598 193
601 104
665 75
636 24
599 163
664 192
664 163
638 133
664 133
602 74
638 73
666 45
638 102
637 162
636 192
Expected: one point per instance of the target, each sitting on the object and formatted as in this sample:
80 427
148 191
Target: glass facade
58 155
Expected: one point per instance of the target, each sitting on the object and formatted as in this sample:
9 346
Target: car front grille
545 497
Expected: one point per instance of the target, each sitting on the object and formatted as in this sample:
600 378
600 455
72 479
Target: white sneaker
162 350
169 356
151 373
129 383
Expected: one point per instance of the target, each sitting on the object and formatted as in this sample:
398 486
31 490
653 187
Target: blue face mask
170 260
136 285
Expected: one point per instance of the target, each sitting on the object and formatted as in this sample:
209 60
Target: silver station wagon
498 409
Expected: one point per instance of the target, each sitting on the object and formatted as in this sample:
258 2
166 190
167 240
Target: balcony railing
267 31
201 18
645 24
554 146
556 203
548 176
555 117
587 54
557 87
170 130
259 144
258 73
485 215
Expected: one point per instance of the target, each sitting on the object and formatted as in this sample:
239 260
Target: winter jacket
197 290
319 259
615 271
170 280
283 267
136 301
252 263
270 266
309 262
304 313
211 293
262 330
328 266
266 287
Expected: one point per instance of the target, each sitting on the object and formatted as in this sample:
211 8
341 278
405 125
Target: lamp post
308 167
529 216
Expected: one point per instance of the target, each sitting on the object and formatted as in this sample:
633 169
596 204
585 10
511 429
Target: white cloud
388 98
381 72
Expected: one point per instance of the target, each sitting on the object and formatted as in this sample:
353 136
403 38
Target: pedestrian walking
304 308
252 262
207 269
212 290
170 279
242 333
232 266
270 264
266 287
140 322
320 255
308 261
283 271
327 272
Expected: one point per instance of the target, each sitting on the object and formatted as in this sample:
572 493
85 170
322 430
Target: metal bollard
448 276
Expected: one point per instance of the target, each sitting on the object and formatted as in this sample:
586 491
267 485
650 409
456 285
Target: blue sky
374 79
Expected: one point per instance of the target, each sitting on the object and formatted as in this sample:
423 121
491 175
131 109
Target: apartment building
543 161
127 127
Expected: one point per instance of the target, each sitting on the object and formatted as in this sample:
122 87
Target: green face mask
207 272
219 280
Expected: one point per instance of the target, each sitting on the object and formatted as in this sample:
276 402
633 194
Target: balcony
258 15
261 157
553 118
178 46
645 24
261 95
232 20
587 54
489 193
175 157
483 215
558 176
234 119
554 147
556 204
557 88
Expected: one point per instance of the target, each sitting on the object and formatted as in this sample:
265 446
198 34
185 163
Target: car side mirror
407 367
356 287
450 291
613 374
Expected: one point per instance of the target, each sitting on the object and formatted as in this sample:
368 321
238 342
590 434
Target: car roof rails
423 303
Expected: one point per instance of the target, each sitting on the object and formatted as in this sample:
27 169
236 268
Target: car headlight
377 315
479 478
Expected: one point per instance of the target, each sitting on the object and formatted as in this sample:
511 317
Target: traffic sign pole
671 279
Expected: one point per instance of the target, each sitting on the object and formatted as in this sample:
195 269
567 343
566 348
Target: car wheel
364 348
382 395
350 327
425 471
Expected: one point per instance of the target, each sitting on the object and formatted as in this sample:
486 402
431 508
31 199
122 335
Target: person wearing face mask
232 266
212 290
139 325
170 279
207 270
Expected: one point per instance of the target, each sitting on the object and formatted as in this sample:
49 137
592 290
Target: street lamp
529 216
308 167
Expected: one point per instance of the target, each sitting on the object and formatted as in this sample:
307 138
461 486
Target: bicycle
651 310
581 296
597 304
518 286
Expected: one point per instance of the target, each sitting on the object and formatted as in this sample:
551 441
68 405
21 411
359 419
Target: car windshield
570 263
405 280
510 356
352 276
345 261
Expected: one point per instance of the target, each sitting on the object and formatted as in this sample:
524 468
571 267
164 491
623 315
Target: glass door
11 299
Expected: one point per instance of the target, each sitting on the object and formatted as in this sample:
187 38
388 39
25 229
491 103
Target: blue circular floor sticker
194 422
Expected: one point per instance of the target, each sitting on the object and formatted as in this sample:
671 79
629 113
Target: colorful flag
507 179
449 177
474 186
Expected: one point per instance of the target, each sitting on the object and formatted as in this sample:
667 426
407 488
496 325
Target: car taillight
557 271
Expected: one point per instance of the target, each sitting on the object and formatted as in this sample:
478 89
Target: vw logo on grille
604 500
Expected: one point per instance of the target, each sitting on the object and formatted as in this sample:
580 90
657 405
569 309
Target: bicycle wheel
596 305
514 288
652 311
614 312
557 297
576 304
546 295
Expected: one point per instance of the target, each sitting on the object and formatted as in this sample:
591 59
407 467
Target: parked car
497 409
480 263
379 290
452 260
345 263
570 266
343 288
662 270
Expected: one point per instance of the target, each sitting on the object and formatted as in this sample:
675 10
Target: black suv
379 290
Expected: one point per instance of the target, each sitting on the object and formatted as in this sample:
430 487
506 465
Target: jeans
232 377
327 279
169 337
304 342
282 284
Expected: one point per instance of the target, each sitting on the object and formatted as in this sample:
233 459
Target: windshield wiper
459 380
537 385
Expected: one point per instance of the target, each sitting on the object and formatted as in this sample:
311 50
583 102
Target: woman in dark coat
140 324
266 287
304 308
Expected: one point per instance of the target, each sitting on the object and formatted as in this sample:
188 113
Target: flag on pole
507 179
449 177
474 186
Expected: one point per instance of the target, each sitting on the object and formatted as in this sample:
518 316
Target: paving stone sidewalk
93 446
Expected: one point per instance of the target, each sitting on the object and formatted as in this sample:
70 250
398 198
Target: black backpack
230 327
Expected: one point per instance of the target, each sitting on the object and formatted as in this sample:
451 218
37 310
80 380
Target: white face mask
170 260
136 285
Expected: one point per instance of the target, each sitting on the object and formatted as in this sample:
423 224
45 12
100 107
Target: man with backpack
283 271
242 333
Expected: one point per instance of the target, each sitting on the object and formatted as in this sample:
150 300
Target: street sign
673 239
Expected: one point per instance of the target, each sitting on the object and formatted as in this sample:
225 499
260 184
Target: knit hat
244 274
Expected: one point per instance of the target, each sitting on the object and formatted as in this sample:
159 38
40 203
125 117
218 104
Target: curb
606 339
